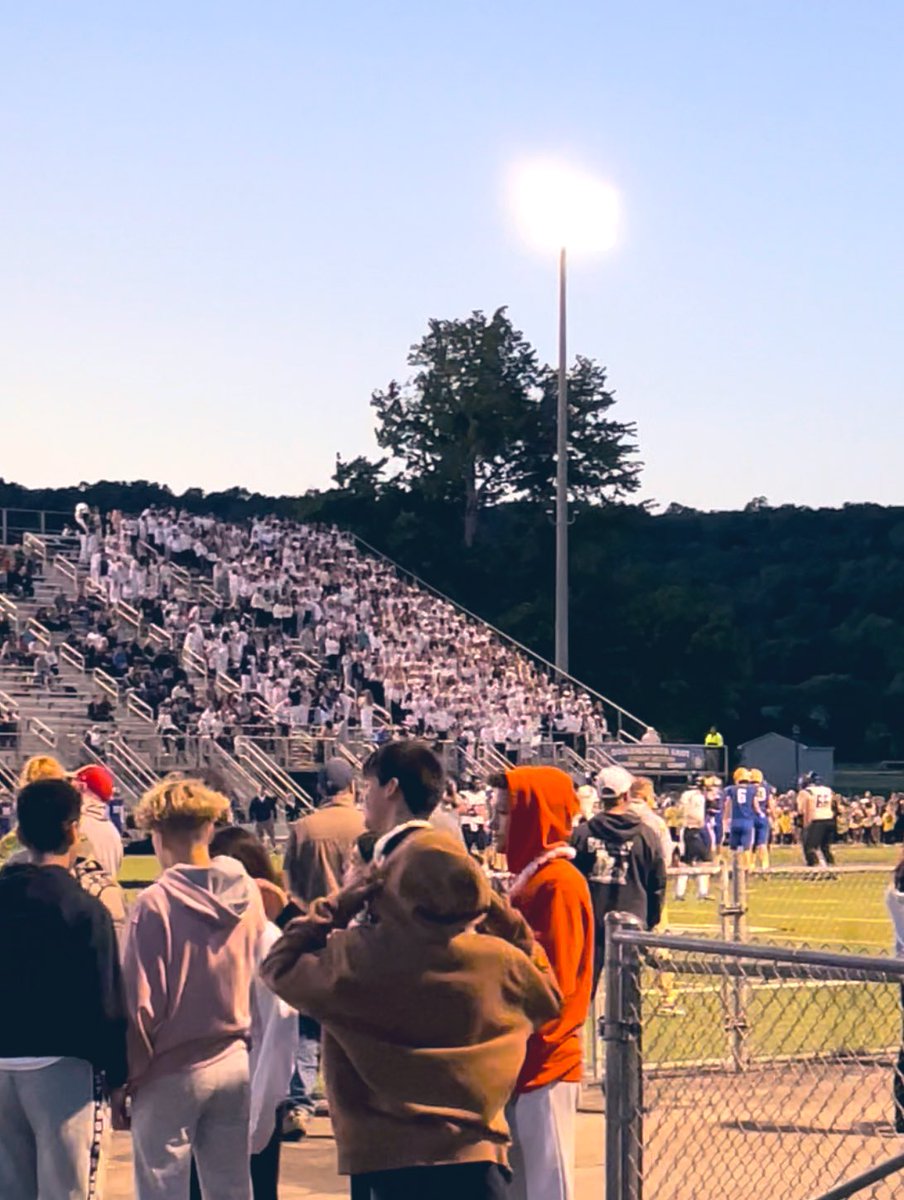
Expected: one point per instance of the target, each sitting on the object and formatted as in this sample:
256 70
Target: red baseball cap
97 780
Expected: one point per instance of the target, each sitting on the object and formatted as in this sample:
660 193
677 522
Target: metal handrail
180 575
270 771
121 762
139 707
129 613
231 764
42 732
340 750
41 632
73 657
65 568
226 685
260 704
11 705
294 648
31 541
160 636
574 761
92 588
208 595
194 662
10 608
106 683
139 768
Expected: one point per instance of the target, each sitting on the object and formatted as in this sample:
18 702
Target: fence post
624 1063
737 1013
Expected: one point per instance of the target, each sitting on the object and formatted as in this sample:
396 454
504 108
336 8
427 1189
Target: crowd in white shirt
296 617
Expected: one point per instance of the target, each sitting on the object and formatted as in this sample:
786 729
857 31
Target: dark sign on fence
655 759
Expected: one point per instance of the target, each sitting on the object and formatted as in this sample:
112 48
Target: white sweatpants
543 1125
205 1112
51 1132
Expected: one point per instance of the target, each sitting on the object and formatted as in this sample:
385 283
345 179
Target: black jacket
622 861
62 990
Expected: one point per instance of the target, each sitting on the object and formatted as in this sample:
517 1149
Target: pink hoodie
192 949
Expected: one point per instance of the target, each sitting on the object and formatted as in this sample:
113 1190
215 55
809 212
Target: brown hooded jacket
425 1019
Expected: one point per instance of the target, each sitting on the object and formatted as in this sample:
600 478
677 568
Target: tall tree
359 476
457 426
601 451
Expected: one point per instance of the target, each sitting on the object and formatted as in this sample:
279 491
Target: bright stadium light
561 208
558 205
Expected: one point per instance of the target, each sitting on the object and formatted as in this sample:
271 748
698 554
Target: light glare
556 205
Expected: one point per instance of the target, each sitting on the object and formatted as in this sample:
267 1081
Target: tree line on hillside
770 618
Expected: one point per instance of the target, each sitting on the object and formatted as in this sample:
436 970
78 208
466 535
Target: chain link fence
835 908
775 1078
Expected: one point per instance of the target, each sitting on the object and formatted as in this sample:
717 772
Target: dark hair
251 853
416 768
45 810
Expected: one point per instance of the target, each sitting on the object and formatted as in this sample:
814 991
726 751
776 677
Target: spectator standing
97 787
193 946
404 784
642 802
262 811
713 745
273 1023
426 1020
622 860
534 811
57 1060
317 859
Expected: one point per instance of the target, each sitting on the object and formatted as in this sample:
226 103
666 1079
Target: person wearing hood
194 942
534 811
427 1010
97 787
274 1025
622 858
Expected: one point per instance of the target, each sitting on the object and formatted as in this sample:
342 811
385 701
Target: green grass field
845 914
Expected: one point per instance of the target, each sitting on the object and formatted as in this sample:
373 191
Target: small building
783 760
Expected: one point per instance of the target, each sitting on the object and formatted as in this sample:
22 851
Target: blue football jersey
743 797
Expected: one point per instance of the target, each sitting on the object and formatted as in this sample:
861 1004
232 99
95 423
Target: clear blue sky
223 224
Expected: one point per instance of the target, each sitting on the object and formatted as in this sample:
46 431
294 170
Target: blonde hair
642 789
41 766
180 804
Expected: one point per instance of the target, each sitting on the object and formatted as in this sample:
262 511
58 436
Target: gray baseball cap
337 776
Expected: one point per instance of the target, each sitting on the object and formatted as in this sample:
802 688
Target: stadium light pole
561 207
562 599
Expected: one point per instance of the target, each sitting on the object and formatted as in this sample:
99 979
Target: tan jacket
425 1020
320 846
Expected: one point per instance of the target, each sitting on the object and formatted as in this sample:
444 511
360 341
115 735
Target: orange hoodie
555 902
